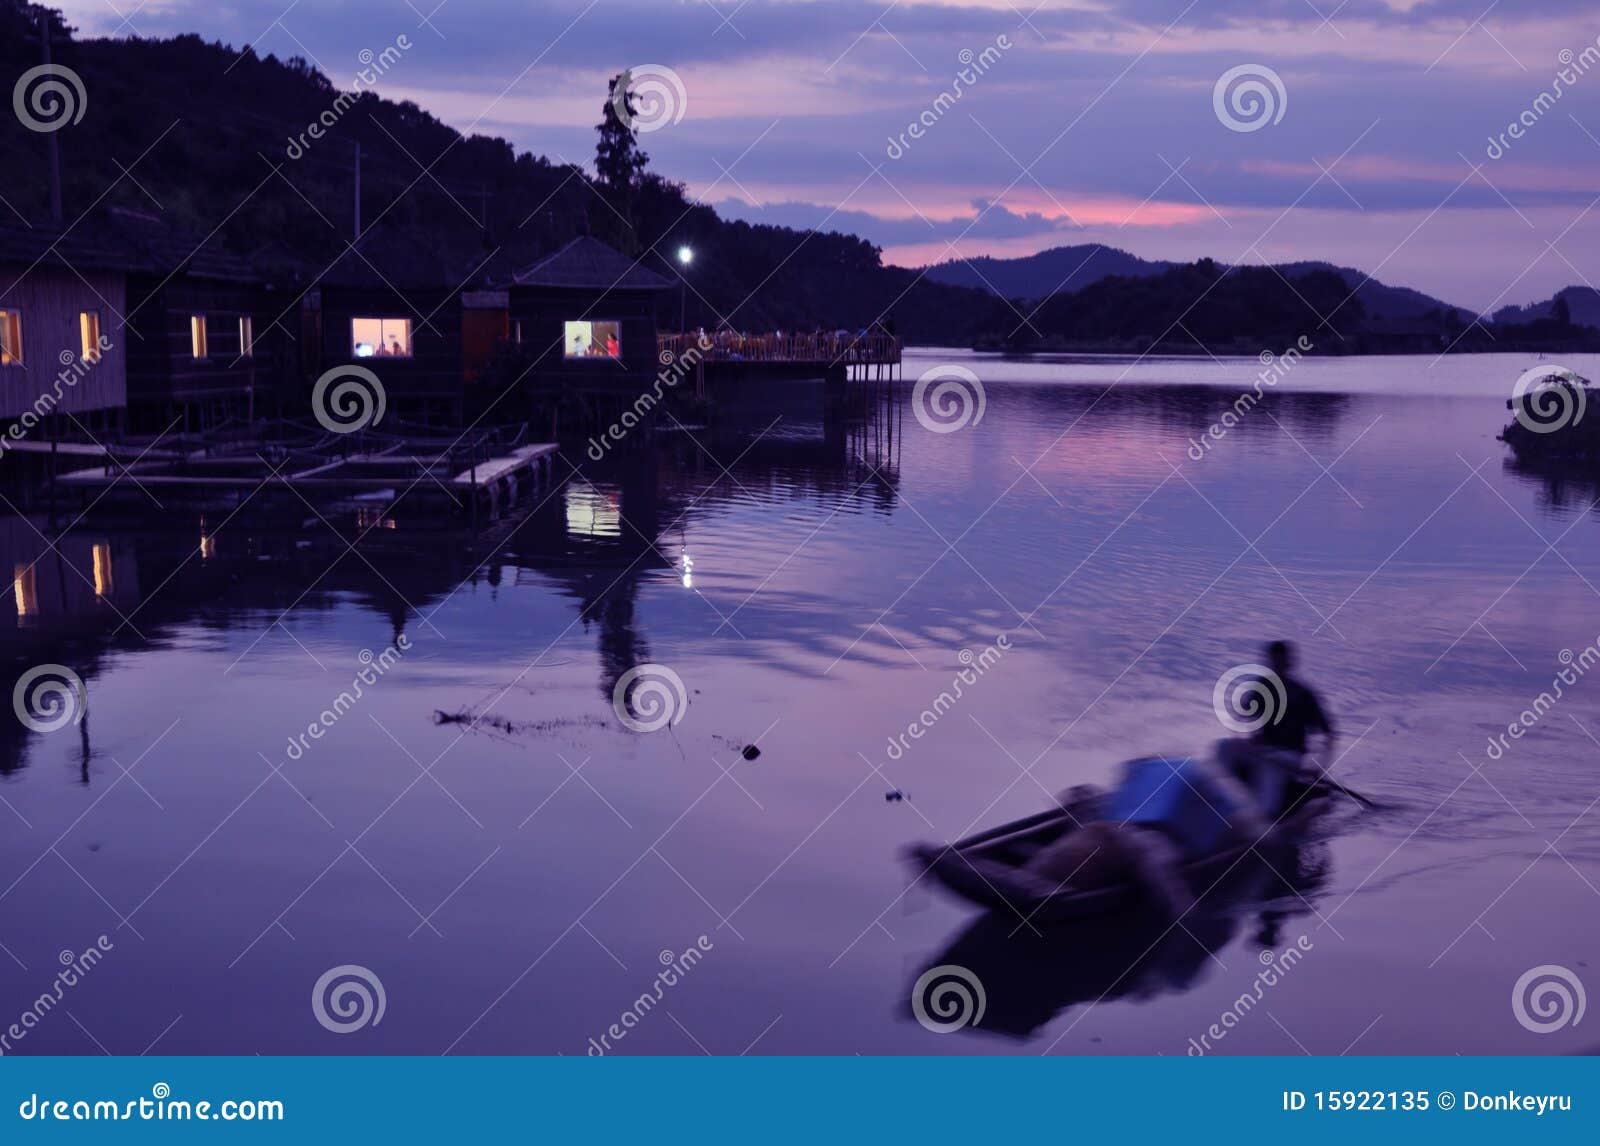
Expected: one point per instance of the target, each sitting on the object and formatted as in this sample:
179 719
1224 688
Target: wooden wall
162 369
431 377
50 301
544 314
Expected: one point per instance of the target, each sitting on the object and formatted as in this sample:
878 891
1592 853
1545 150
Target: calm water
517 887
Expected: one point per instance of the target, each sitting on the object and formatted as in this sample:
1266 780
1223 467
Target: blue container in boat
1179 796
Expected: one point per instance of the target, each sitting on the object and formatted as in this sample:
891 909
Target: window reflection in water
592 512
26 590
371 517
103 583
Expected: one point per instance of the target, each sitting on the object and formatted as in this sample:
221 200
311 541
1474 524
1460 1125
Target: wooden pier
479 478
727 364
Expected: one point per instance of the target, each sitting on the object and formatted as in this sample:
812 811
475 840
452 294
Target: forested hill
216 141
202 126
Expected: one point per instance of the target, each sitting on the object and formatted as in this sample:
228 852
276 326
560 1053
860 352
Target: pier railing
826 349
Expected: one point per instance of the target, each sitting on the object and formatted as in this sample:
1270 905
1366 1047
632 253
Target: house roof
588 264
122 240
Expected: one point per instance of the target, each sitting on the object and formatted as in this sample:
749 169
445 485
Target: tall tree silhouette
618 161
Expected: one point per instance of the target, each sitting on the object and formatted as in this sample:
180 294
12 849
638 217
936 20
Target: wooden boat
990 868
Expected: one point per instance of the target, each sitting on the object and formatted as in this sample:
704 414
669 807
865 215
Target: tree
617 158
1561 311
618 161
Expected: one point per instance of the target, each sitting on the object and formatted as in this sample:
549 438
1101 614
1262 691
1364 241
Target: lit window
25 588
518 328
89 335
247 337
10 338
197 336
593 340
380 337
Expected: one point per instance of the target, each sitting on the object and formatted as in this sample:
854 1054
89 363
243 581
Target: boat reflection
1033 973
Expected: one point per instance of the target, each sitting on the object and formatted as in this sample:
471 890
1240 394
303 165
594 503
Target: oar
1323 778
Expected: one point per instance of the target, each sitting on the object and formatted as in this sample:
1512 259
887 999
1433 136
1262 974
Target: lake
527 883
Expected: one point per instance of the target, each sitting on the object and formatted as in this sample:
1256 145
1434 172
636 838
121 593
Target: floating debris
515 727
894 796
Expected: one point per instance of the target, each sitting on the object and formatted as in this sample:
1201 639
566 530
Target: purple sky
1097 123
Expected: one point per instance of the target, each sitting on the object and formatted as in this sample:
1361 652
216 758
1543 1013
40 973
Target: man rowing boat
1275 754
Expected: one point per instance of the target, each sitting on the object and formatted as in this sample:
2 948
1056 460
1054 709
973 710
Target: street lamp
685 257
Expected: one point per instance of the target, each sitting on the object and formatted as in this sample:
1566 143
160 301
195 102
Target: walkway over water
824 350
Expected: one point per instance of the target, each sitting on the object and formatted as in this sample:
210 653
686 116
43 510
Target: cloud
1099 116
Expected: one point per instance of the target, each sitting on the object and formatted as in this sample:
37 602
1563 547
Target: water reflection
1565 487
1033 972
814 584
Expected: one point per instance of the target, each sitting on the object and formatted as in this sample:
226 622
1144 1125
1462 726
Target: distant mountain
1380 301
1583 307
1046 273
1063 270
